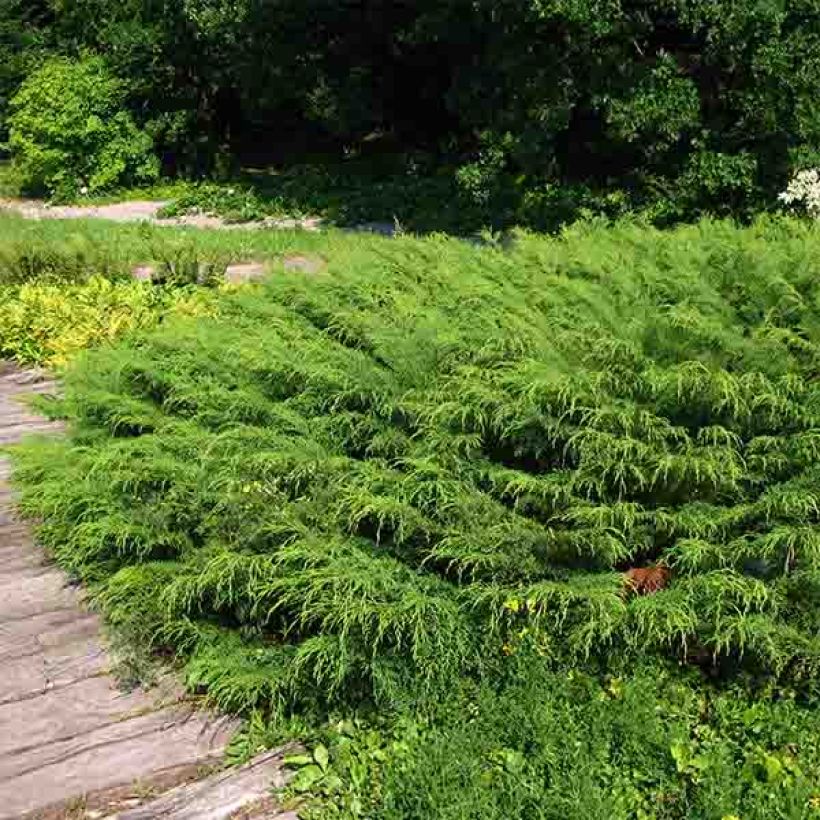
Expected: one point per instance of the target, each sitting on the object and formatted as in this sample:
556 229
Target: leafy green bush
48 324
680 106
70 133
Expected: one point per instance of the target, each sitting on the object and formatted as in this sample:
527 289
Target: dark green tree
681 106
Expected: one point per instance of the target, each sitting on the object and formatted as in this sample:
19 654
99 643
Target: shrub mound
70 133
433 459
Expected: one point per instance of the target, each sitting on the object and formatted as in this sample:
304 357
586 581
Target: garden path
68 735
149 211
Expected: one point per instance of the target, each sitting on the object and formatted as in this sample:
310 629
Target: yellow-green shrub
46 323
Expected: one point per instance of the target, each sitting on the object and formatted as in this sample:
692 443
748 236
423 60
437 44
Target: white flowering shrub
804 189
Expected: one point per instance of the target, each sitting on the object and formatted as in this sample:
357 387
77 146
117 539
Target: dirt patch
116 212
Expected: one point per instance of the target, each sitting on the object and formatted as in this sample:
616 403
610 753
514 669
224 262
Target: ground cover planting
521 530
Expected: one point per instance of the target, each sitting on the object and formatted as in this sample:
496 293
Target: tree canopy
684 106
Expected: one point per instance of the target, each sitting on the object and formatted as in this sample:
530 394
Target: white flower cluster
804 188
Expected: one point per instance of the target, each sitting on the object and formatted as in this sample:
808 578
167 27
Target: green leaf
332 783
298 760
321 756
306 778
774 768
681 754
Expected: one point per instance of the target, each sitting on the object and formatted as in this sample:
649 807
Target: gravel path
147 211
117 212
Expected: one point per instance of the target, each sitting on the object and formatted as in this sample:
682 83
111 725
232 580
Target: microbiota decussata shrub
442 479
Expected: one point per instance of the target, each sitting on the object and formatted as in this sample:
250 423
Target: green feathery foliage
386 469
431 466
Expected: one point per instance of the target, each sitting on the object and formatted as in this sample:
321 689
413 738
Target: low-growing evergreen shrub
435 465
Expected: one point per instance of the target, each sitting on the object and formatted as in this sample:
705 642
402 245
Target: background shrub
70 133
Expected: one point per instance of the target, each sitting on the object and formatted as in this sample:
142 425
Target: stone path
243 792
65 728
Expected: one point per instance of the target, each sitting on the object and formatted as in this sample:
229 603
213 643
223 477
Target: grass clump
422 480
